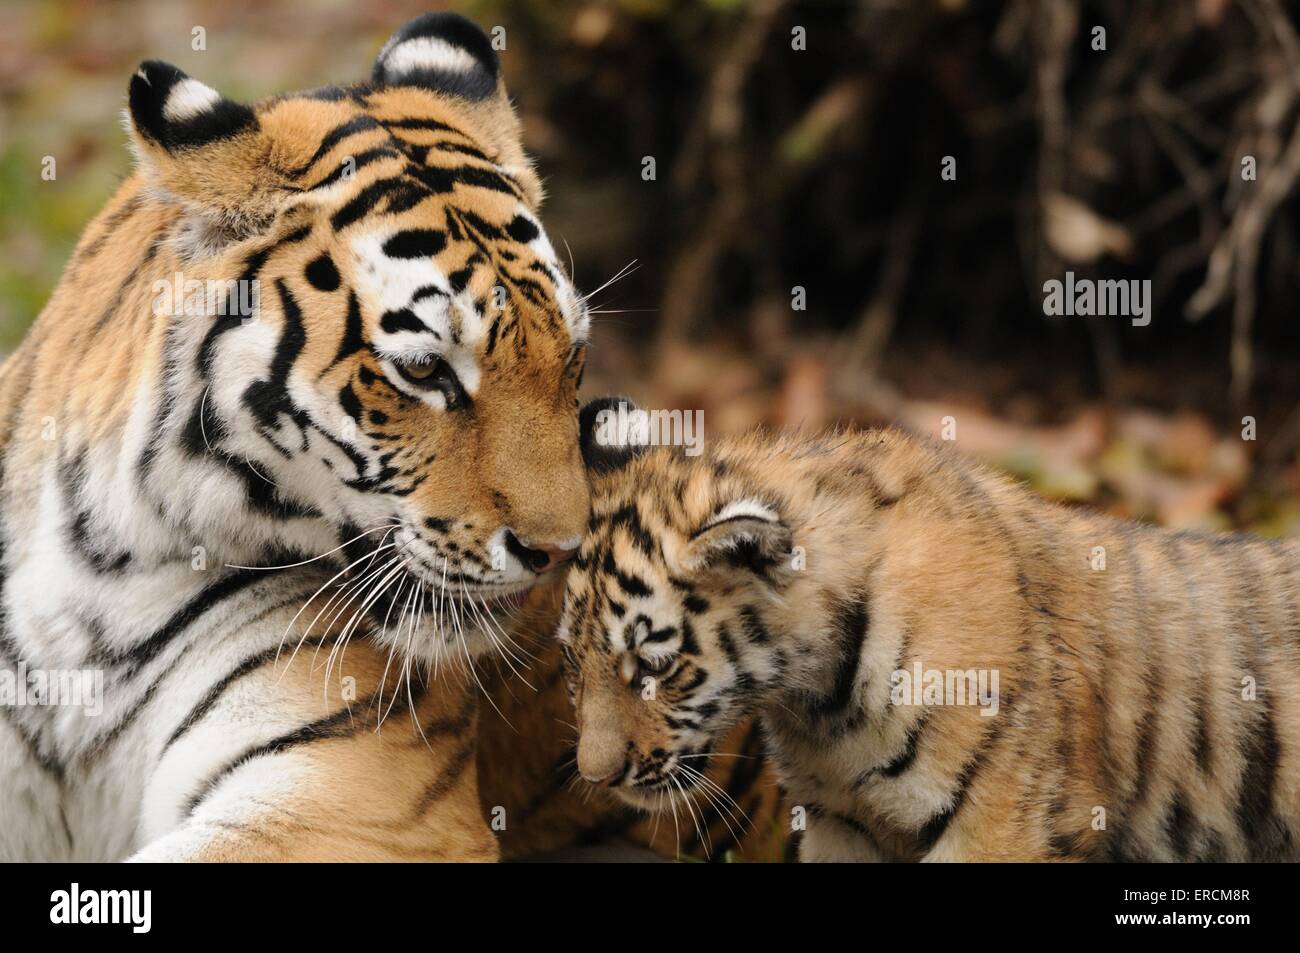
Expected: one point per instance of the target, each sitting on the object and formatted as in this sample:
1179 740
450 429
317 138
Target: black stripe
111 224
358 162
630 519
395 322
268 399
522 229
12 655
753 627
744 680
1178 826
233 318
334 137
457 724
95 551
47 761
850 622
446 779
630 584
353 339
415 243
934 828
321 273
207 599
431 125
1148 726
250 664
364 202
338 724
911 745
1265 834
115 303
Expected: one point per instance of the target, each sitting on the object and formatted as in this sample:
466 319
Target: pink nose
555 555
540 558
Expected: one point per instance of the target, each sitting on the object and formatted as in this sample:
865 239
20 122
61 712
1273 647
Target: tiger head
663 629
392 368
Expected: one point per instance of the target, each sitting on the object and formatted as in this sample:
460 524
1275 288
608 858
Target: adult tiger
390 378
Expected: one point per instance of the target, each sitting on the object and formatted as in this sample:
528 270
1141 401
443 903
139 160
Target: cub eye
656 666
435 375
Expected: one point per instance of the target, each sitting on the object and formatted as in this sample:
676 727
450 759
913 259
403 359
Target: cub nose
601 760
601 770
537 558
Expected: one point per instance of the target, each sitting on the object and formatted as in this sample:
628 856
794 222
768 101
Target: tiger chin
262 512
947 668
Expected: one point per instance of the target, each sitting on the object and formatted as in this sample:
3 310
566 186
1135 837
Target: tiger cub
946 666
528 781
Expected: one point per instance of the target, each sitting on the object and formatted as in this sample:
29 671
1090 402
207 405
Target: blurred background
799 259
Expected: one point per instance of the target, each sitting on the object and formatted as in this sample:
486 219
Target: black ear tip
176 111
440 51
158 73
150 85
602 439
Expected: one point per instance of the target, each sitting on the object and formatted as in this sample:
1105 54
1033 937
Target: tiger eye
420 372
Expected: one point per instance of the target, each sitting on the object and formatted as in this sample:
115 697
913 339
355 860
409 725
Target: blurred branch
876 325
1234 261
714 138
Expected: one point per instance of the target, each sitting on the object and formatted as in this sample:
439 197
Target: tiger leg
282 769
837 839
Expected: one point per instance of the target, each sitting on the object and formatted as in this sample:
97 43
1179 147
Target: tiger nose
537 558
599 764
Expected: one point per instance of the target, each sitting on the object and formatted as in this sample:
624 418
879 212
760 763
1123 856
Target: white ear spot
744 509
426 53
189 98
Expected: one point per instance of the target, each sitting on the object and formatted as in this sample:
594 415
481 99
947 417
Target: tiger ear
443 52
447 54
202 149
744 534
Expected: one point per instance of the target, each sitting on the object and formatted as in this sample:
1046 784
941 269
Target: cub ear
607 440
443 52
207 151
746 534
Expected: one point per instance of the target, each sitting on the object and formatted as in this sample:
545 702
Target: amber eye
417 372
437 373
